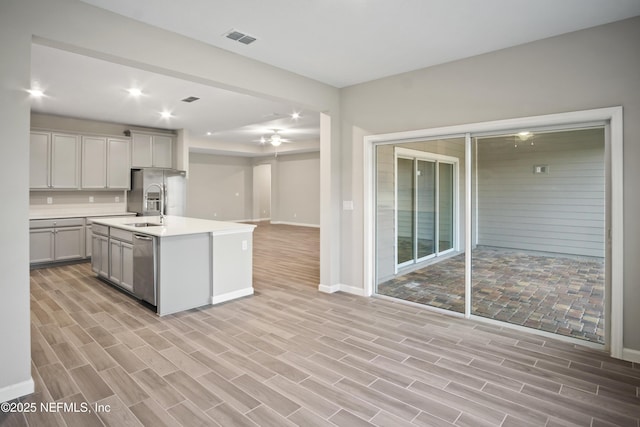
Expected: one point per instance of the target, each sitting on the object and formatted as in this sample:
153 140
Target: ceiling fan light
275 140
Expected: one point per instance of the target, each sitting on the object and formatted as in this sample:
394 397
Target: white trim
328 289
436 159
611 114
422 306
616 338
300 224
217 299
467 225
14 391
342 288
631 355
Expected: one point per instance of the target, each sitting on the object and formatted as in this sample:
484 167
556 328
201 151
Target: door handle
137 236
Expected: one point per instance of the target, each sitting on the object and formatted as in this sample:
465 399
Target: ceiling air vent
190 99
239 37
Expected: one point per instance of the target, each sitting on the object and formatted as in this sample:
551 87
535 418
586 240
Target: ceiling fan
274 139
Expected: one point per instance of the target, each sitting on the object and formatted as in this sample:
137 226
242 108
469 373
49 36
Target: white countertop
176 225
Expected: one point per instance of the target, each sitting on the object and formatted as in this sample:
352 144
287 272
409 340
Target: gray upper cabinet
54 161
141 155
118 163
94 162
148 150
39 160
105 163
65 161
161 151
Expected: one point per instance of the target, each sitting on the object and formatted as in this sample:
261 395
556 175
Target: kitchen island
176 265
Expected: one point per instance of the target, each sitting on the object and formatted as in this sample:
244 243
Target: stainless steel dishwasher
144 268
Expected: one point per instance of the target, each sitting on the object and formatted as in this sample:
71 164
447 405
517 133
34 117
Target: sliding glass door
530 248
425 206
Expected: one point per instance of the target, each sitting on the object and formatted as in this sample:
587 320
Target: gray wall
220 187
562 211
296 184
262 192
593 68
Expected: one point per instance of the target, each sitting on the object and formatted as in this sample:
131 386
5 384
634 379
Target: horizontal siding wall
562 211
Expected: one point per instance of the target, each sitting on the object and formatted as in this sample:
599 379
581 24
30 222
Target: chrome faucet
146 191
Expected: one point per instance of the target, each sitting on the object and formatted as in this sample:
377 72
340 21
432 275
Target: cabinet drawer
124 235
100 229
59 222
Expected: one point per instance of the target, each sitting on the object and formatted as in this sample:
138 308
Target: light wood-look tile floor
290 355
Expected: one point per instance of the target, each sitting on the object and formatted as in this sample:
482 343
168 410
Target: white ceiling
339 42
84 87
344 42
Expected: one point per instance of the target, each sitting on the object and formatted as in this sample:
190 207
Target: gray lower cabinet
100 255
121 264
112 255
56 240
41 246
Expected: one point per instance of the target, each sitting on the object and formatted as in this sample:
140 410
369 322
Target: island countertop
176 225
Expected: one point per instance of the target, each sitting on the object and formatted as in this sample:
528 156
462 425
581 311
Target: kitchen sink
145 224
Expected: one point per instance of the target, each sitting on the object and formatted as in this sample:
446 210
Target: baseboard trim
299 224
328 289
342 288
217 299
631 355
16 390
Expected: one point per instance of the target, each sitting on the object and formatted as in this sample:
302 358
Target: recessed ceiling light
295 115
208 133
134 91
166 115
36 93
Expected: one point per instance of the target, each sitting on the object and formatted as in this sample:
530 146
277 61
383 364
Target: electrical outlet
215 214
295 215
49 200
244 245
90 199
117 199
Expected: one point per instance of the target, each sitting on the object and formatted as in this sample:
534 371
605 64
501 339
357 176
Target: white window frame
412 154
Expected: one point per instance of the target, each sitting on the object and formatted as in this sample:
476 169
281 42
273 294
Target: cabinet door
69 243
39 160
118 163
100 255
41 247
94 162
126 280
65 160
88 241
162 146
141 156
115 261
96 254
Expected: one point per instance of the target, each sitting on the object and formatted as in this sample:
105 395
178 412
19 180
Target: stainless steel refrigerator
154 187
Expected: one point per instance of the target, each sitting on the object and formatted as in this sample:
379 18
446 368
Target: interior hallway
290 355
